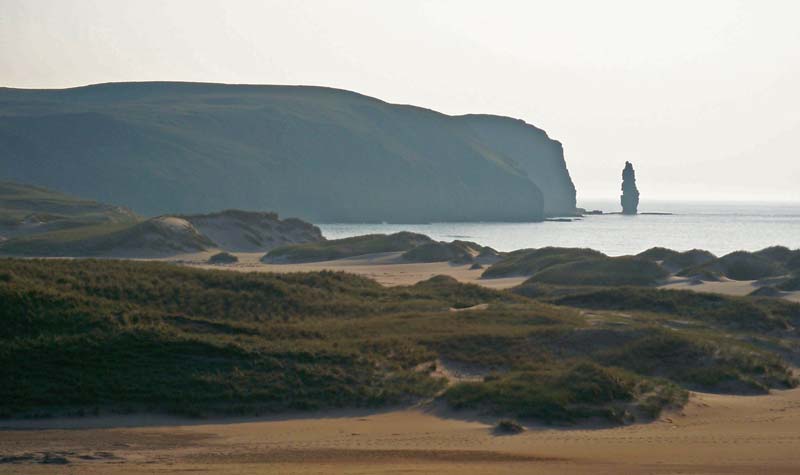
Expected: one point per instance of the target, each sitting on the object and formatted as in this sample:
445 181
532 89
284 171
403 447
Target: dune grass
657 253
346 247
740 265
223 258
530 261
573 392
19 201
730 312
82 336
605 271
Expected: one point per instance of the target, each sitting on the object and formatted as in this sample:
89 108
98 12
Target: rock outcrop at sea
630 194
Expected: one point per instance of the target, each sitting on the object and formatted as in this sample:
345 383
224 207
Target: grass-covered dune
38 222
161 236
657 253
223 258
791 284
676 261
530 261
604 271
578 266
84 335
742 265
346 247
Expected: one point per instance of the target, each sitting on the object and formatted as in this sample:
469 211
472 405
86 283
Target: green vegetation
570 393
740 265
781 254
790 284
152 237
728 312
766 291
86 335
223 258
605 271
508 426
347 247
530 261
687 259
37 221
39 210
43 223
657 253
77 241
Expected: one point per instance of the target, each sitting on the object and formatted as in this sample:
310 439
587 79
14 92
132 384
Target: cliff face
321 154
529 148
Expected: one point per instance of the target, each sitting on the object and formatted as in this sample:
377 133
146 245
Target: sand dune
713 434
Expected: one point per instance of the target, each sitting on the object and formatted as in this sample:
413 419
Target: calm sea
718 227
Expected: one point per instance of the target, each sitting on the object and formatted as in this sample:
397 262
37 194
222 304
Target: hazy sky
702 96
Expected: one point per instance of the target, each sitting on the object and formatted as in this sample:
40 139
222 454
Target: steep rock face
529 148
321 154
630 194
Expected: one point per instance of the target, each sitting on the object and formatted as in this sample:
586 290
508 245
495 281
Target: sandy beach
386 268
712 434
390 269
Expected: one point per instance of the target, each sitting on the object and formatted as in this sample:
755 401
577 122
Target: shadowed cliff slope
321 154
541 157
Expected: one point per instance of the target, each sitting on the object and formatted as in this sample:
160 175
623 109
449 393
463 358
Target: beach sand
389 269
712 434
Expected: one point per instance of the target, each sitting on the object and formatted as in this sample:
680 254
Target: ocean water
720 227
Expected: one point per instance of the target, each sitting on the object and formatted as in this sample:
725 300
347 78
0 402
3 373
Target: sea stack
630 194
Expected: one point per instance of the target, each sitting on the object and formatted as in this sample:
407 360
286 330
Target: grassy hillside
576 266
27 210
39 222
321 154
162 236
83 335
